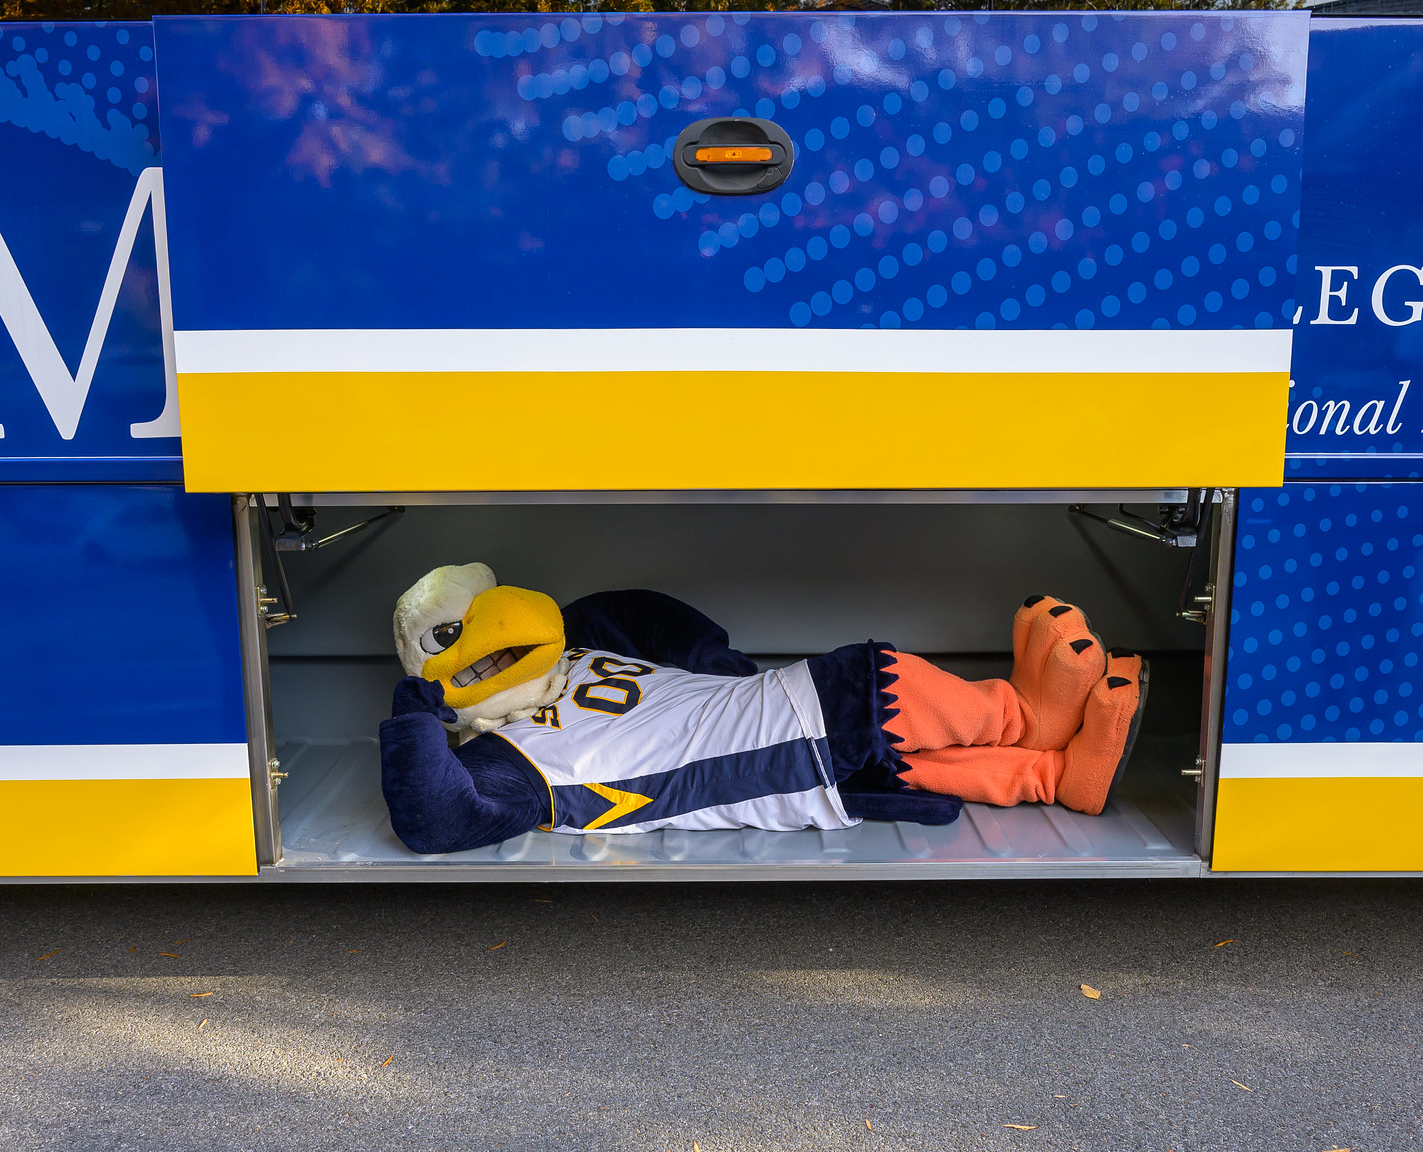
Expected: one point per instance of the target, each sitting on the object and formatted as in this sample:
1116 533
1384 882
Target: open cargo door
455 253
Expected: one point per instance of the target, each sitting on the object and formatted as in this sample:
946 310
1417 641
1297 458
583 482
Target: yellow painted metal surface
533 431
1345 824
127 828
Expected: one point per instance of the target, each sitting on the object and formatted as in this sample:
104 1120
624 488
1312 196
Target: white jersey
631 746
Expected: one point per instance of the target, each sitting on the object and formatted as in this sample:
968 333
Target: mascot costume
629 711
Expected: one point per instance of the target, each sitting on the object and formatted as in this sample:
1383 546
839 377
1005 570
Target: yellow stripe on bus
127 828
1346 824
533 431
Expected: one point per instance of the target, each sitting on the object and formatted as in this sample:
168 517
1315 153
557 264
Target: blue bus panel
123 615
86 389
514 171
1322 757
123 744
1356 407
1047 229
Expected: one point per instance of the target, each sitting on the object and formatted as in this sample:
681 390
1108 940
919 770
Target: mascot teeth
487 666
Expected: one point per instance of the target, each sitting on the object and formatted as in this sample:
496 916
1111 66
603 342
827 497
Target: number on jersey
547 715
617 692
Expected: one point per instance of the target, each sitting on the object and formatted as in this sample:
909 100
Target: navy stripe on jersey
778 769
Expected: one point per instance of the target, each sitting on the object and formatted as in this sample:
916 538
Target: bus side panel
1009 272
1322 762
123 739
86 389
122 733
1356 403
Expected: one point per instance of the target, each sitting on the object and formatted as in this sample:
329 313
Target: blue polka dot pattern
89 85
997 180
1039 144
1326 631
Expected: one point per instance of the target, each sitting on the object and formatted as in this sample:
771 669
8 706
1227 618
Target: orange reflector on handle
733 155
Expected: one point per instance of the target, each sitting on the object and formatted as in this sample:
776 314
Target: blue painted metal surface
121 617
1327 619
1028 171
1357 406
78 125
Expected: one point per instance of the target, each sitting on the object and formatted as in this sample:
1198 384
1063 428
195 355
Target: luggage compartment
788 575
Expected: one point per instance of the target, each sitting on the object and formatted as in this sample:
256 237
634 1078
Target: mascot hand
416 695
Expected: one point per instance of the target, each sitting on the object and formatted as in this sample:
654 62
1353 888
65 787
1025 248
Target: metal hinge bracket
1205 604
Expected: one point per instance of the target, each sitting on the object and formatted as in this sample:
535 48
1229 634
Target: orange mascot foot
1057 658
1081 776
1097 756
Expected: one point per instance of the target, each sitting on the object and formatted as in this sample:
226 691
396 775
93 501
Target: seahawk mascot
629 711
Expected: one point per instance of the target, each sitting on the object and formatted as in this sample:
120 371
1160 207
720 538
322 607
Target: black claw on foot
1031 600
1117 681
1059 610
1081 646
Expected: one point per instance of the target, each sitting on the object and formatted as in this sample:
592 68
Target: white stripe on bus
734 350
123 761
1320 761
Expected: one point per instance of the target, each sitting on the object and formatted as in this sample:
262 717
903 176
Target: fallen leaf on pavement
185 940
134 948
869 1126
1090 992
47 955
198 995
1223 943
496 947
170 955
695 1146
1021 1127
200 1026
388 1059
353 951
1056 1097
1238 1084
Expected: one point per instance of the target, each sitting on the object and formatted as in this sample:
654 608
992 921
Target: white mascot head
498 651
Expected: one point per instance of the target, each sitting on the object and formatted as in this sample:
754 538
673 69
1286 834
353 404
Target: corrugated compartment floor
335 824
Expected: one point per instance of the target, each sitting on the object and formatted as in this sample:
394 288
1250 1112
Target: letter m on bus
63 392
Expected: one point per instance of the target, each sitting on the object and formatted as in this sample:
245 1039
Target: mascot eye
440 637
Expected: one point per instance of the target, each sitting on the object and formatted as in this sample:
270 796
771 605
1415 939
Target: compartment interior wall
785 580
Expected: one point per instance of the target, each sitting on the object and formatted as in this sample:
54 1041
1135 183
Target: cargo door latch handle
733 156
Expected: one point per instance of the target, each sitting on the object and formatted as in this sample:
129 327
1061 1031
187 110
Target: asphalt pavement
1283 1016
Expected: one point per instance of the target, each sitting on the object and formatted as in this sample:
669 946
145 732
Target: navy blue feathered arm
443 802
652 626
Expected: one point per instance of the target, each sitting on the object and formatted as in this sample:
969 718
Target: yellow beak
528 623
